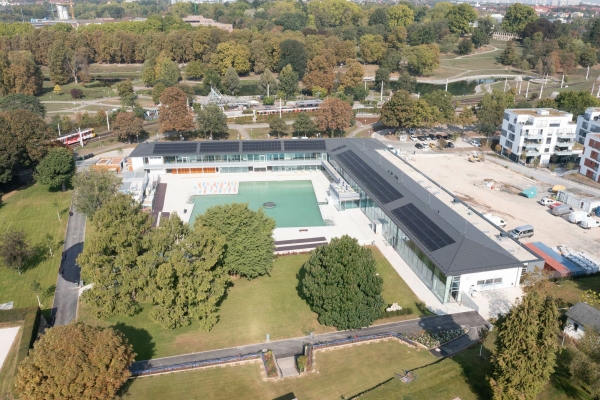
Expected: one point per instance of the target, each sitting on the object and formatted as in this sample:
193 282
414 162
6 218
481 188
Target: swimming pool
295 202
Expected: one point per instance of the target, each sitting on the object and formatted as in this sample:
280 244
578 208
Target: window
511 136
542 124
504 133
547 150
480 282
506 116
509 144
498 280
511 127
575 326
548 140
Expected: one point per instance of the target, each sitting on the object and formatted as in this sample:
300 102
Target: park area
251 310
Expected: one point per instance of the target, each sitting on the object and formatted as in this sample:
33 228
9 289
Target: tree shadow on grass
140 339
476 370
39 255
299 287
561 377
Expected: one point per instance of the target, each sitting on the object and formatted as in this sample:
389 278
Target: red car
556 204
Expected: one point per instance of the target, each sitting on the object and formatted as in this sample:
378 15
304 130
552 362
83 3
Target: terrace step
287 367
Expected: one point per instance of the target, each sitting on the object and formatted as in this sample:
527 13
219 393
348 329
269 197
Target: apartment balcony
536 136
535 146
563 151
566 135
554 125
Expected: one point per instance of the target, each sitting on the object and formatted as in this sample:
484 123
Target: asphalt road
64 309
291 347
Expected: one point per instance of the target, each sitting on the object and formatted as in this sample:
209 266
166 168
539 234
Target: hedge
30 317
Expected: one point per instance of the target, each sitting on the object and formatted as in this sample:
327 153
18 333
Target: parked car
422 138
432 136
413 138
411 131
419 146
546 201
432 145
390 147
474 143
450 145
495 220
577 216
561 210
555 204
521 232
589 223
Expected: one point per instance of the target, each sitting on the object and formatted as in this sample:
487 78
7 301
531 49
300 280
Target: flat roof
534 112
457 240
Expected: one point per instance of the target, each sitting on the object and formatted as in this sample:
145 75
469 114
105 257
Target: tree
292 21
465 46
57 54
267 84
293 53
372 48
334 115
127 126
379 17
194 70
491 111
509 55
186 277
591 297
23 76
588 57
423 59
231 81
460 17
76 93
576 102
584 361
278 126
360 92
517 16
248 234
319 73
157 91
341 285
232 54
57 168
22 102
110 256
15 249
382 75
76 361
304 125
212 123
93 188
405 82
288 81
400 15
466 117
167 71
36 288
174 114
525 348
441 101
126 93
403 112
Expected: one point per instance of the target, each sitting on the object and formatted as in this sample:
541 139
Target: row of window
489 281
237 158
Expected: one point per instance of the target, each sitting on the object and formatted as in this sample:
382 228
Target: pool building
450 247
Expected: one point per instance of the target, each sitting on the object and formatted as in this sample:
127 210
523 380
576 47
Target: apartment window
506 116
542 124
584 125
489 281
511 127
504 133
547 150
548 140
509 144
511 136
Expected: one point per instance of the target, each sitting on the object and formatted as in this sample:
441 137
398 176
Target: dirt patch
8 195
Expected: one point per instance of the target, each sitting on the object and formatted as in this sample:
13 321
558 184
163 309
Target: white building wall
137 163
573 329
510 278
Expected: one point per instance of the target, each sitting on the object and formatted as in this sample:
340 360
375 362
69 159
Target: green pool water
295 202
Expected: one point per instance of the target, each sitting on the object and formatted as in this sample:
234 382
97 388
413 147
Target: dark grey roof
585 315
451 242
455 245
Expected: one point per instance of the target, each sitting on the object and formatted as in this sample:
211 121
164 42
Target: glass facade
211 158
421 265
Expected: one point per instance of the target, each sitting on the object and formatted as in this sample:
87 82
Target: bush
76 93
301 363
422 307
268 100
404 311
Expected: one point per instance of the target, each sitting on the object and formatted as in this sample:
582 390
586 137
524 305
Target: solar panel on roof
219 147
377 185
424 229
338 148
261 145
300 145
175 148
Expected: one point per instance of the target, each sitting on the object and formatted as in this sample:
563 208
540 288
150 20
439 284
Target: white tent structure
216 97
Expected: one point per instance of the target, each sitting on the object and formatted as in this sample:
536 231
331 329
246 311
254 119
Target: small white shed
579 316
578 199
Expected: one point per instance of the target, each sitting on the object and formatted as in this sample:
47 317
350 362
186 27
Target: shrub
76 93
404 311
301 363
270 366
268 100
422 307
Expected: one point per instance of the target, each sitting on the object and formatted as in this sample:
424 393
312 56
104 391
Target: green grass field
266 305
339 374
9 368
32 211
88 93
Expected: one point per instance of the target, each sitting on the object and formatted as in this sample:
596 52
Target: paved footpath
291 347
64 309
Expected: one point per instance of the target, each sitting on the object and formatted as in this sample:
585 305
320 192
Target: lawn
266 305
571 290
339 374
9 368
32 211
88 93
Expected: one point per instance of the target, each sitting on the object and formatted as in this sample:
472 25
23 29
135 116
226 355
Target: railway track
106 135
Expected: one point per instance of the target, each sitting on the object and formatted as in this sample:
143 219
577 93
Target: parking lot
465 178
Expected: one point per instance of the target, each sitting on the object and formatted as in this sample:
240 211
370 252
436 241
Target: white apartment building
588 123
530 133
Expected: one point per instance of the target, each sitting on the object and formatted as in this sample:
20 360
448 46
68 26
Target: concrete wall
510 278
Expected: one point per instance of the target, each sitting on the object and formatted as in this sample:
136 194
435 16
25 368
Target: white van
546 201
521 232
495 220
577 216
589 223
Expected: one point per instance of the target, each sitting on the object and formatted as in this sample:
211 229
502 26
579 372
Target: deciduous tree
460 17
465 46
304 126
584 361
278 126
353 75
57 57
319 73
174 114
400 15
288 81
231 82
293 53
127 126
525 348
441 101
517 16
248 234
57 168
334 115
157 91
423 59
23 76
194 70
403 112
76 361
267 84
576 102
126 93
212 123
372 48
491 111
341 284
15 249
509 55
93 188
22 102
